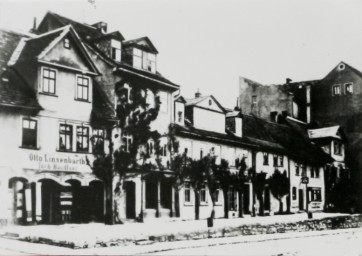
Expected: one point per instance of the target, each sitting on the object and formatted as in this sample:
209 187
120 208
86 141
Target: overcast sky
209 44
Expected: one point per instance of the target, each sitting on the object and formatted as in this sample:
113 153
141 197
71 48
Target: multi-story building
332 101
59 91
48 97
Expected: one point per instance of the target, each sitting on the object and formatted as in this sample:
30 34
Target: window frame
43 69
36 132
345 88
265 158
115 50
97 137
66 43
82 136
294 193
83 77
297 169
333 90
187 190
66 133
337 145
203 193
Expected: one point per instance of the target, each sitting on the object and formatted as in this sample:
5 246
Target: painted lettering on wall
56 163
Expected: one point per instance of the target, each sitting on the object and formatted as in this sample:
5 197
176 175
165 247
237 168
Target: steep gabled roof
295 145
37 47
14 92
197 100
150 46
85 31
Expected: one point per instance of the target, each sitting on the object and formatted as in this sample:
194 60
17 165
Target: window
297 169
164 102
29 133
66 43
281 163
273 116
82 139
149 62
337 148
127 141
201 153
164 150
179 116
275 160
317 172
294 193
48 83
253 101
203 198
116 50
304 170
82 88
315 194
65 137
150 148
187 191
336 90
348 88
312 172
137 58
210 102
98 141
266 158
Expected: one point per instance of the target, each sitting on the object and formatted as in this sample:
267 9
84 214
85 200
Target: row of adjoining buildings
59 89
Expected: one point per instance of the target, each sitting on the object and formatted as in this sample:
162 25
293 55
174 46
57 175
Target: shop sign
305 180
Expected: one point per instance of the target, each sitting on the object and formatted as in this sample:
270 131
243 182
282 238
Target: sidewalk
100 235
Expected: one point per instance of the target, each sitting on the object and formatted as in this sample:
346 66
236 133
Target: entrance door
51 209
166 194
267 199
130 199
301 199
246 198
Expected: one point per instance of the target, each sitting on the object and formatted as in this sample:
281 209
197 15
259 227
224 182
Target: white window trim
74 136
37 131
191 203
89 88
41 81
345 88
340 90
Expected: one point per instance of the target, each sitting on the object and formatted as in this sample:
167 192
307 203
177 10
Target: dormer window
144 60
66 43
116 50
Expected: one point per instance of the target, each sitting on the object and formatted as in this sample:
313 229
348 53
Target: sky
206 45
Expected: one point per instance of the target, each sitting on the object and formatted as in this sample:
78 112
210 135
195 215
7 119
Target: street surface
348 244
317 243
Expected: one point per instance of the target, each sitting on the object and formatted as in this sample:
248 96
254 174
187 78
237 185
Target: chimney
198 94
288 80
101 26
237 108
33 29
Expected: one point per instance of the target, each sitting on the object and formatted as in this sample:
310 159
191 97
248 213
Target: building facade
60 89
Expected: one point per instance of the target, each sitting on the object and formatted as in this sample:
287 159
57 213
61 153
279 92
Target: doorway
246 198
130 188
301 199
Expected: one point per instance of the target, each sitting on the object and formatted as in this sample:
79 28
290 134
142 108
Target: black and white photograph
180 127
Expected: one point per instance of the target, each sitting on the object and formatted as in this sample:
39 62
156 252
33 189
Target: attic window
210 102
341 67
116 50
66 43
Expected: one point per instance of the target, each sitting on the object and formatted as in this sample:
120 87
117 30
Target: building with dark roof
335 100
